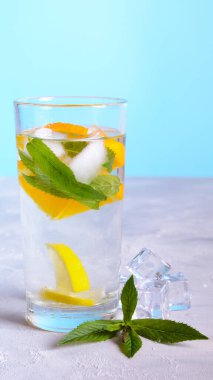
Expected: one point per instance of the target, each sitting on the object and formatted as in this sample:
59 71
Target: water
93 235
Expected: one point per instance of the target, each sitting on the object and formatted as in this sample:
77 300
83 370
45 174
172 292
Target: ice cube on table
89 161
119 314
122 282
123 279
178 292
153 300
148 265
140 313
152 297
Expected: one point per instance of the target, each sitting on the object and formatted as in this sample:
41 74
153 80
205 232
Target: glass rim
96 101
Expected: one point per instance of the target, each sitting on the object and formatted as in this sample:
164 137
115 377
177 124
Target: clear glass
71 156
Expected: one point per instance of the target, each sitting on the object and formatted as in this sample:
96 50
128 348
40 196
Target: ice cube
48 133
89 161
141 313
123 279
43 133
122 282
148 265
178 291
153 299
95 132
119 314
56 147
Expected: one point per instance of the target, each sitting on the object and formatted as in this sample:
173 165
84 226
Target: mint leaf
109 160
107 184
94 331
74 147
165 331
44 184
129 298
27 161
60 176
131 343
50 165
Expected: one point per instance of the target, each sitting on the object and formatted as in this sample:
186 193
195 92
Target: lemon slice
72 130
97 295
69 271
56 296
119 149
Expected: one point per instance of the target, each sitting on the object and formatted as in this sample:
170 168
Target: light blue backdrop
156 53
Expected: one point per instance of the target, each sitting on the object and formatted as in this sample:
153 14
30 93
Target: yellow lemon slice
69 271
97 295
21 141
119 150
48 294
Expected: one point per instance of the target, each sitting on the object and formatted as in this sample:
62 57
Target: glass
71 156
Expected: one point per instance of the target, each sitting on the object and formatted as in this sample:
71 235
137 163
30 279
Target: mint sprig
129 331
51 175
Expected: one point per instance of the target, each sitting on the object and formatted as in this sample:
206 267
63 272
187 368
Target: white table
174 217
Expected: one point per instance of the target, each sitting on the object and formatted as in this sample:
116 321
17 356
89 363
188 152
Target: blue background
156 53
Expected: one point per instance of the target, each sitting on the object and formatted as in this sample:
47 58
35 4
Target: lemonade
71 180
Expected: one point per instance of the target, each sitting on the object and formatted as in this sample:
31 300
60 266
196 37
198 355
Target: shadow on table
12 308
15 318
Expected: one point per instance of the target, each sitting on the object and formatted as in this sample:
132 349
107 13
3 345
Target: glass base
62 319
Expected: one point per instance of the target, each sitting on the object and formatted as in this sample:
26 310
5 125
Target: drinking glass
71 156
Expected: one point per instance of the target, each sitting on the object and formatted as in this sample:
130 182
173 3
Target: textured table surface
173 217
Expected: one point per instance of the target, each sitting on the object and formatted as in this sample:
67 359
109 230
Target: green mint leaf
129 298
165 331
109 160
74 147
27 161
91 204
94 331
131 343
107 184
49 164
61 176
44 185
